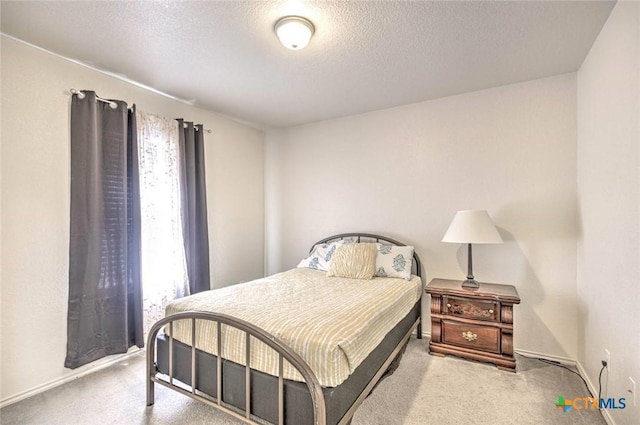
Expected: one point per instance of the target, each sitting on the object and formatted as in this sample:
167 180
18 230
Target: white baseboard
562 360
91 368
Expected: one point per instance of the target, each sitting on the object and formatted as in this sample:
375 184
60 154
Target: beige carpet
447 390
424 390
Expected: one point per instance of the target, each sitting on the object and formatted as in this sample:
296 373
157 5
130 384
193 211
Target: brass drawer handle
490 311
448 305
469 336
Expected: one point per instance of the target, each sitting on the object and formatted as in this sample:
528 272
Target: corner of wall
608 168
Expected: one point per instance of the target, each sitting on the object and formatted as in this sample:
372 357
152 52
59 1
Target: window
163 265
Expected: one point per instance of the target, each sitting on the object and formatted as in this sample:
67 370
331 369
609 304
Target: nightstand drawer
475 324
471 309
478 337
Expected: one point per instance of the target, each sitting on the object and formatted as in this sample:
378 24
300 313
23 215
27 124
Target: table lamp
471 226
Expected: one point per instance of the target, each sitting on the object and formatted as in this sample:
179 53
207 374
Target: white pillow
320 256
394 261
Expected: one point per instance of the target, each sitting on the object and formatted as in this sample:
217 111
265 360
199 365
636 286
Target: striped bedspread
333 323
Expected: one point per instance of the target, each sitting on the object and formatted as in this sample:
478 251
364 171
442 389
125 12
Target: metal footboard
284 353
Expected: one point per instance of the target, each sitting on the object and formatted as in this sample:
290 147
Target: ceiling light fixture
294 32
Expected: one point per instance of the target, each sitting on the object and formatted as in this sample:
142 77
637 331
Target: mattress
264 389
333 323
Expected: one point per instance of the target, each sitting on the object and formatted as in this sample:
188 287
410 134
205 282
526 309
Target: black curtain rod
112 104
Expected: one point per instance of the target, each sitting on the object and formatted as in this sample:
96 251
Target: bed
312 363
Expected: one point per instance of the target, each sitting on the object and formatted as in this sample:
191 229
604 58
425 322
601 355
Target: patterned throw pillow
394 261
354 260
320 256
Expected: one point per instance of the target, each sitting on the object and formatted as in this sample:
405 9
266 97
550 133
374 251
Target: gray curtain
194 205
105 294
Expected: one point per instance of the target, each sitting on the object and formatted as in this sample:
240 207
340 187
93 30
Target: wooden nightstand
475 324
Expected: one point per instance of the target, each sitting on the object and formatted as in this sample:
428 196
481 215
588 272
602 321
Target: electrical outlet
607 358
632 390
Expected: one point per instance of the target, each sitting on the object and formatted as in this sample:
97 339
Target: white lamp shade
294 32
472 226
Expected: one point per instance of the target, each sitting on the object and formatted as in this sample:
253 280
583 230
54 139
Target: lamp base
470 283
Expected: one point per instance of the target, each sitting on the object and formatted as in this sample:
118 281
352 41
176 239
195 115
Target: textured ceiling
364 56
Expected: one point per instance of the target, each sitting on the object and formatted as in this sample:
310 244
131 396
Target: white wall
404 172
609 206
35 203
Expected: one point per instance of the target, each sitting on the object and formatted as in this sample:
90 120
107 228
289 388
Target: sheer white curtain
164 271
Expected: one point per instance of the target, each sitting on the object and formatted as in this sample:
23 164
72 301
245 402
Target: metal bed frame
284 353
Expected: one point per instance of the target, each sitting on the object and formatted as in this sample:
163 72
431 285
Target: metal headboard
416 267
